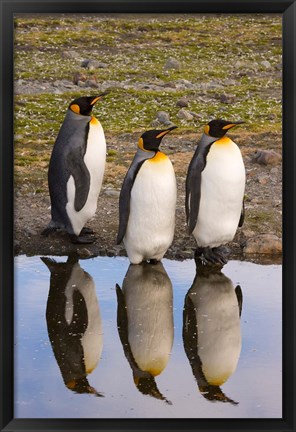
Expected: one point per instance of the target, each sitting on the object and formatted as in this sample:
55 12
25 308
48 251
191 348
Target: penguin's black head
150 140
218 128
84 104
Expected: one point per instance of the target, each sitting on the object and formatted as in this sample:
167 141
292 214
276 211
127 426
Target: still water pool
101 339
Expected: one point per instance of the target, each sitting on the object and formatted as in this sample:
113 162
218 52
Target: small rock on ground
172 63
263 244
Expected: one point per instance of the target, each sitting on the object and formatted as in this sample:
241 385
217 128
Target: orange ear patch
75 108
207 129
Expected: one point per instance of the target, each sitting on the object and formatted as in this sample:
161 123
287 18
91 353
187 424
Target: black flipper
190 341
193 180
239 296
125 193
242 216
122 325
145 381
80 173
193 186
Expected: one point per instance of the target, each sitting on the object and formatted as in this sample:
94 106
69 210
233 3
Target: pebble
211 86
274 171
266 64
183 102
112 192
155 123
172 63
263 244
93 64
227 99
184 114
240 64
263 179
91 83
248 233
184 83
70 55
78 77
170 84
267 157
30 232
194 114
84 252
163 117
230 82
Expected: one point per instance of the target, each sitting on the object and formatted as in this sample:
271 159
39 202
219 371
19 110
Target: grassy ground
232 56
210 49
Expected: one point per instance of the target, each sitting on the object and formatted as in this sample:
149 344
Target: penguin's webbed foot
212 256
153 261
86 230
221 253
204 255
81 239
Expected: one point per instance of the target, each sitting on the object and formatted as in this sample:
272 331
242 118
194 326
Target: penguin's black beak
164 132
172 128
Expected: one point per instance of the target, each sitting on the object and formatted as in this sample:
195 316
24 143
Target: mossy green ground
210 49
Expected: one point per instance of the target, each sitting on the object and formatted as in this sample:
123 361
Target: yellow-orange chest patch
94 121
158 158
224 141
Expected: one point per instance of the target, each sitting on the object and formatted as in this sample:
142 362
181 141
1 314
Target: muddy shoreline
262 202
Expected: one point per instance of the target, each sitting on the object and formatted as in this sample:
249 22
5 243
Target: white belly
95 159
222 192
92 339
218 324
149 301
151 223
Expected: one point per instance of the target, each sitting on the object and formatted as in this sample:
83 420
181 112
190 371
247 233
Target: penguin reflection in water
211 330
147 201
215 187
76 171
145 323
74 323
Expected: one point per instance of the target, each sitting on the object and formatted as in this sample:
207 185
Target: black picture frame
10 7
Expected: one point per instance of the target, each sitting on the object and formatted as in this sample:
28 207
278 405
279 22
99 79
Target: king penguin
76 170
74 323
215 186
147 201
146 324
212 330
